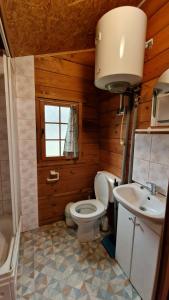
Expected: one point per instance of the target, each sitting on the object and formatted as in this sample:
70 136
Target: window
56 122
56 129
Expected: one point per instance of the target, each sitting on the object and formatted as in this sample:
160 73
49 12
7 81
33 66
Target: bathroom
67 142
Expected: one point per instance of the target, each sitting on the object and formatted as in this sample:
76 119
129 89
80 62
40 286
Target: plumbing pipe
136 101
125 140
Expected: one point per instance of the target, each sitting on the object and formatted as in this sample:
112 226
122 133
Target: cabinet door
124 240
144 260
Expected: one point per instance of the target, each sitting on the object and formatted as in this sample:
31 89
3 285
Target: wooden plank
109 118
156 66
150 7
144 112
61 81
158 21
110 168
111 145
147 90
85 58
111 158
112 132
160 44
52 209
90 138
143 125
90 113
109 104
65 67
61 94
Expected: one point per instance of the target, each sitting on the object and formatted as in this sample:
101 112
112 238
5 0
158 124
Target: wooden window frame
41 152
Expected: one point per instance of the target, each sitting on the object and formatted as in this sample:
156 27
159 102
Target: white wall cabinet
137 248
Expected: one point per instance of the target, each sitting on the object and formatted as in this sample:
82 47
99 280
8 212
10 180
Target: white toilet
87 213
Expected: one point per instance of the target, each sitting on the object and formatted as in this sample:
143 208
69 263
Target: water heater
120 45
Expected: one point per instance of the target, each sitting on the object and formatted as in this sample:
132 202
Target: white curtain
71 141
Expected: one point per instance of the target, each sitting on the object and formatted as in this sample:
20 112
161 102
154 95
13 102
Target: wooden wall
157 57
68 78
156 61
110 123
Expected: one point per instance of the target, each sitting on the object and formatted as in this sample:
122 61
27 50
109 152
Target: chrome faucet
152 189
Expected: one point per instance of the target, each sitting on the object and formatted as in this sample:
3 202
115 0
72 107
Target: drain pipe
125 141
136 102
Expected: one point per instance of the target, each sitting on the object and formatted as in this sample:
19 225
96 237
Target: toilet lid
101 188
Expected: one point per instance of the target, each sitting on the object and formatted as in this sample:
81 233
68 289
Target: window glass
56 119
65 113
52 148
51 131
63 131
51 113
62 147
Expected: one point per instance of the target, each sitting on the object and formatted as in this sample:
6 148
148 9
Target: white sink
140 202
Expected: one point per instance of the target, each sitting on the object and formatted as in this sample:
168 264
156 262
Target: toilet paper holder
54 176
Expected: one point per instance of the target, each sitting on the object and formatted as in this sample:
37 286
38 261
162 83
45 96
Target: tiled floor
53 265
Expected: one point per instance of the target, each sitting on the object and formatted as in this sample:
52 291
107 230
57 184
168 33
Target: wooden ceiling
49 26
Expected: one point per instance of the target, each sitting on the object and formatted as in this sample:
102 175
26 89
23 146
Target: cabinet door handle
131 219
138 225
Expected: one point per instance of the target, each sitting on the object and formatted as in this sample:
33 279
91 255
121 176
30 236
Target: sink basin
140 202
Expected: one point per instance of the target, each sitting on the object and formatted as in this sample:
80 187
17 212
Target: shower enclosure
10 220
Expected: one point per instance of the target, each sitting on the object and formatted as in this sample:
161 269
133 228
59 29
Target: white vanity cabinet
124 240
137 248
144 259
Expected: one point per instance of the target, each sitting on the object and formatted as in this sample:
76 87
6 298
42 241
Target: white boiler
120 45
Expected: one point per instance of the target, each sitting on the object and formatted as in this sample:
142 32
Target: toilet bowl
87 213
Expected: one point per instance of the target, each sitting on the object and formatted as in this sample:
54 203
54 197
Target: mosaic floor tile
53 265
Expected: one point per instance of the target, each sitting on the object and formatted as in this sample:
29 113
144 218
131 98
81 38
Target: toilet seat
94 207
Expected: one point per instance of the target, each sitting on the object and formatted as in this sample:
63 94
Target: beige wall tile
28 169
28 186
5 172
24 66
154 148
159 174
3 128
25 109
25 90
7 206
27 149
142 146
160 149
4 150
26 129
25 87
6 190
140 170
